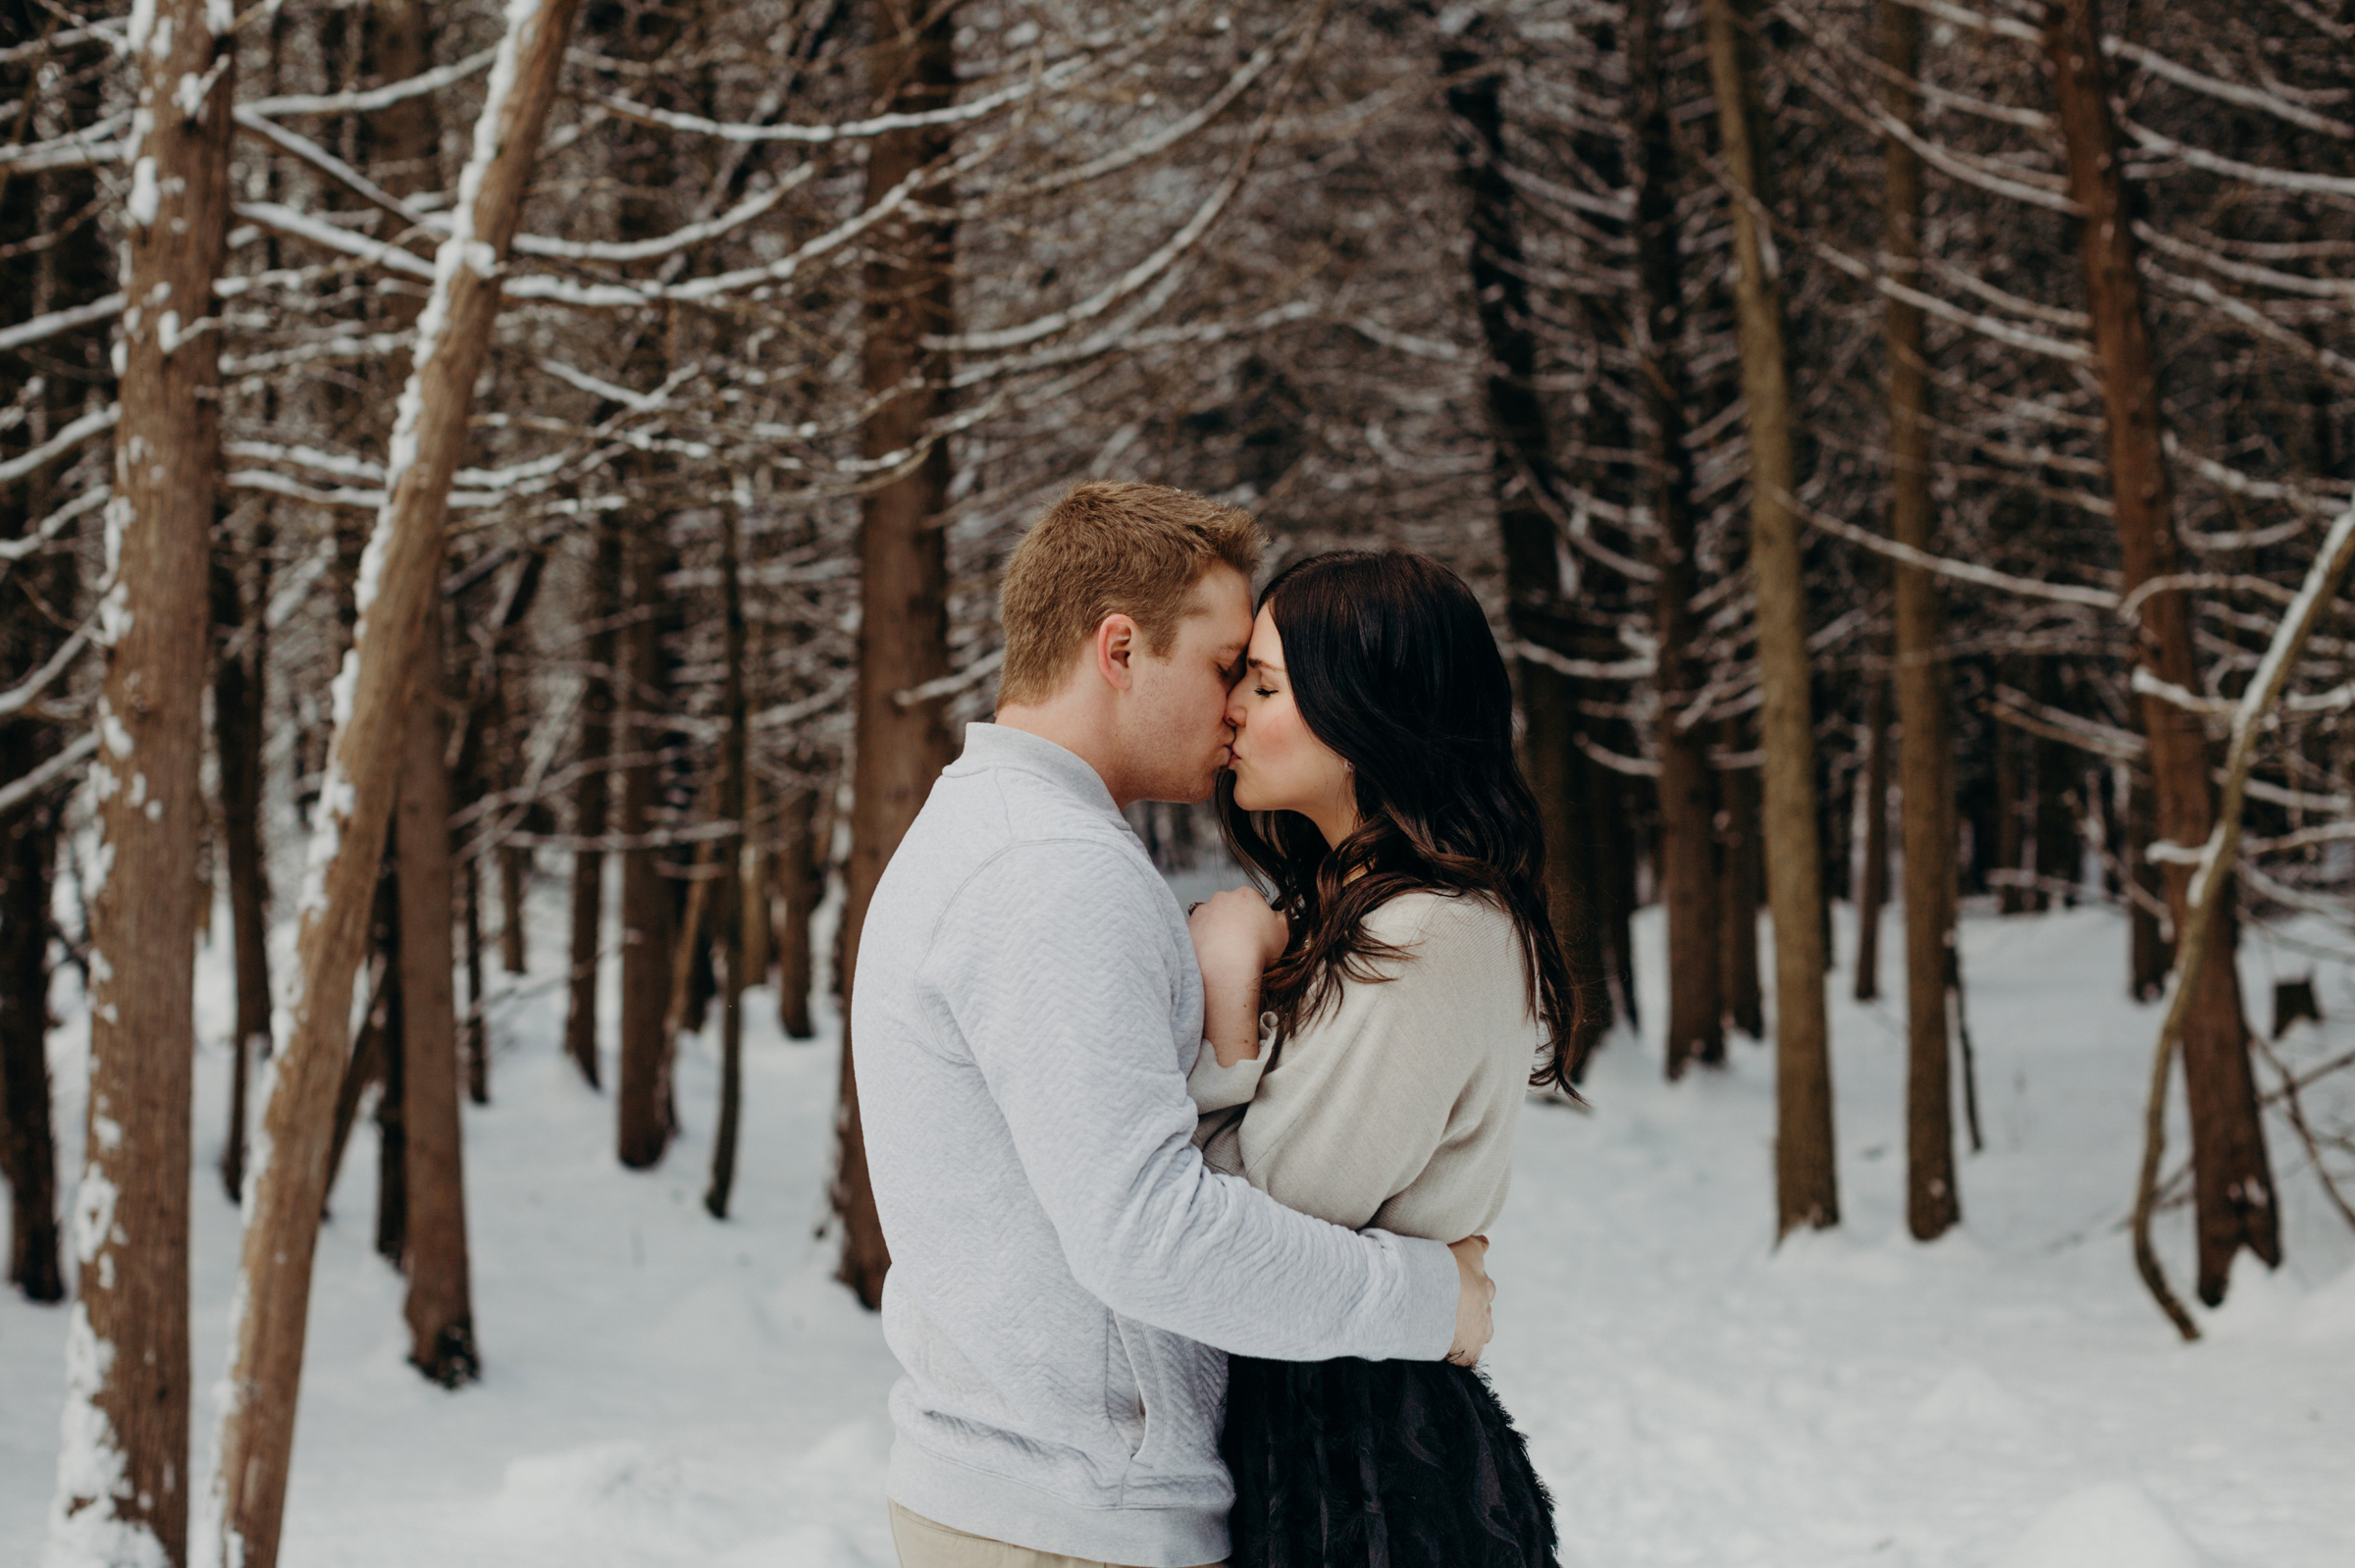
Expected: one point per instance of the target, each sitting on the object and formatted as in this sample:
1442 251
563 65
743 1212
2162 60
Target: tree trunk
1521 475
800 883
439 1308
2150 954
1873 889
903 630
121 1478
238 717
1688 787
405 552
642 1128
2233 1180
27 1150
730 924
391 1125
1742 864
1925 762
1807 1180
2011 898
478 1026
2060 850
588 801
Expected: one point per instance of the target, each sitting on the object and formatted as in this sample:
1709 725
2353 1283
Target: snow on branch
65 440
299 226
41 327
328 163
1959 571
372 98
20 696
693 234
2254 174
1055 76
17 791
2158 65
1153 266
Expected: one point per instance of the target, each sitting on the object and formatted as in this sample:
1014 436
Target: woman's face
1278 764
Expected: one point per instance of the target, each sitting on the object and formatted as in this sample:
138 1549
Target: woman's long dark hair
1393 667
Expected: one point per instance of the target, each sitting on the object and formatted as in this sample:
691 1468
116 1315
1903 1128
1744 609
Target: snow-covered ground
665 1389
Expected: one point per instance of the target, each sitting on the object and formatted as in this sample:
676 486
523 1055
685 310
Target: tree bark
800 881
392 1122
2150 953
440 1307
1742 865
121 1476
729 935
402 574
1925 761
2233 1180
641 1125
1688 787
2011 898
1872 891
902 631
27 1149
589 802
238 717
1806 1181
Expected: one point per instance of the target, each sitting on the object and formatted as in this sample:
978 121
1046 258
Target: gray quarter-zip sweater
1066 1276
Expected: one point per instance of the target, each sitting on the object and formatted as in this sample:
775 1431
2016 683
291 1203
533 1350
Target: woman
1411 981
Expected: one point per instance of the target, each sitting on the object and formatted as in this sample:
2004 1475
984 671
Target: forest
466 459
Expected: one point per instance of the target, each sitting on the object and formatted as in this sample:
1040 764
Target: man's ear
1115 648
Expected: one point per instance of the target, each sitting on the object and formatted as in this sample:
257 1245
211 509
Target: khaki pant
921 1544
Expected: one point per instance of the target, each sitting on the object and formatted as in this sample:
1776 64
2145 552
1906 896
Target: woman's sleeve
1357 1109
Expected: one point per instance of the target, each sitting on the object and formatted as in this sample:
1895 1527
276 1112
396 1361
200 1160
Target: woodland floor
662 1389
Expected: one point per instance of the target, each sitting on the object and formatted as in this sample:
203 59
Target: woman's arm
1237 936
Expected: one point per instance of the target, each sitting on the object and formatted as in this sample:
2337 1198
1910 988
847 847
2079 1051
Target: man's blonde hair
1111 549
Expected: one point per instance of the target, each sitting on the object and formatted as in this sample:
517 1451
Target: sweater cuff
1215 1088
1433 1286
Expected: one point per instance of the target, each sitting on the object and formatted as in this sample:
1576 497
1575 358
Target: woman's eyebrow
1261 663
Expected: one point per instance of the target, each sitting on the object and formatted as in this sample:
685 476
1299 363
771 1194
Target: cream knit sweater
1396 1107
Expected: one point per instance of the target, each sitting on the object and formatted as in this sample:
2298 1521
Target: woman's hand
1237 936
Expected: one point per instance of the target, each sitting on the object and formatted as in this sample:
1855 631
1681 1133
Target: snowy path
663 1389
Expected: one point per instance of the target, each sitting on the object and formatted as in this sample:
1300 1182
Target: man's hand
1476 1294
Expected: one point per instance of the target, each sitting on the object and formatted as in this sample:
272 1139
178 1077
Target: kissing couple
1185 1211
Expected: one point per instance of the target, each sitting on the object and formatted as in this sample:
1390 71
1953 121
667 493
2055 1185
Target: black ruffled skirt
1378 1464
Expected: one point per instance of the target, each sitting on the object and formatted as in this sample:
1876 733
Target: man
1066 1276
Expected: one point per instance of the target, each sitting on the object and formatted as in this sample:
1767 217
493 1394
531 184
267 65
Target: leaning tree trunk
902 631
122 1491
1687 841
588 801
2232 1180
1925 761
1521 474
1805 1177
257 1427
28 1148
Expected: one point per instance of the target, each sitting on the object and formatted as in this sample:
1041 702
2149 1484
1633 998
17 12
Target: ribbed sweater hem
1000 1507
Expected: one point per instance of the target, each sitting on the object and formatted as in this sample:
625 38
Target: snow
2109 1525
662 1389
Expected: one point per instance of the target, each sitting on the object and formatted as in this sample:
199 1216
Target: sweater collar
988 745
